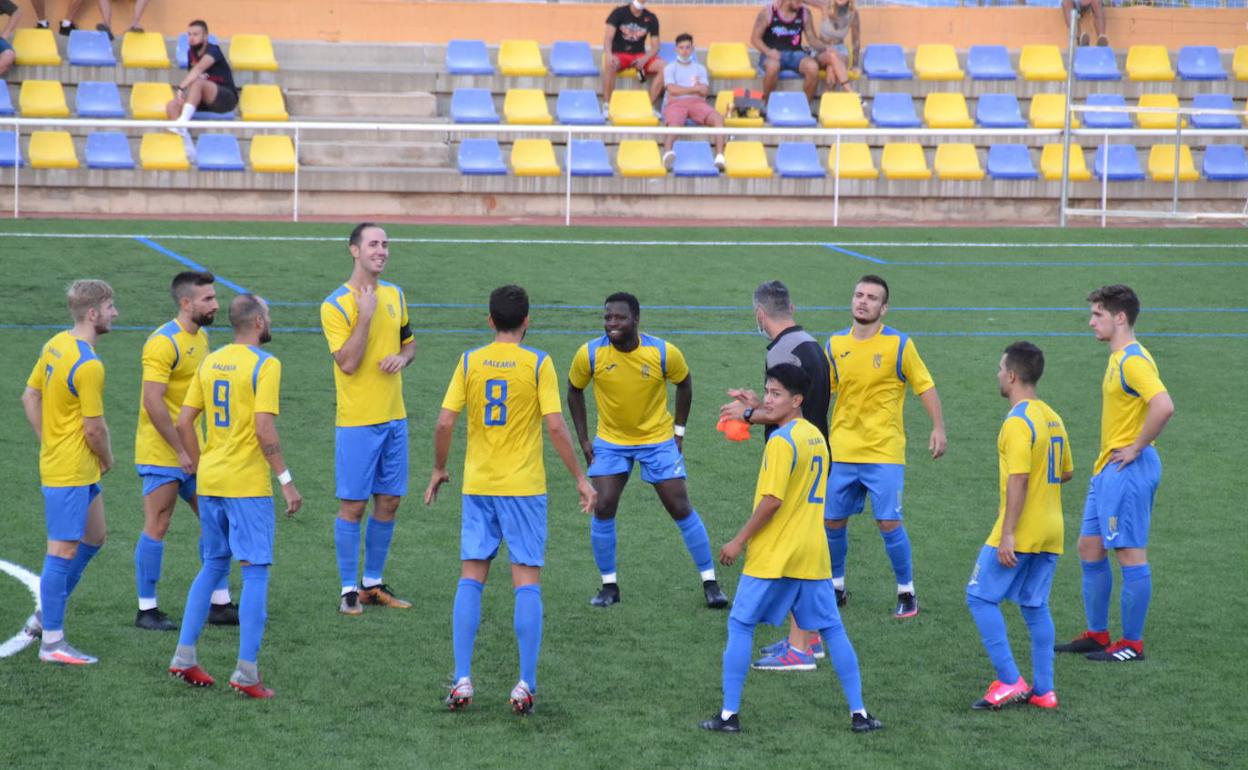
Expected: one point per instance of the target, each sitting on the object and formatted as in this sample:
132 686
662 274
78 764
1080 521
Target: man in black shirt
7 54
631 42
208 85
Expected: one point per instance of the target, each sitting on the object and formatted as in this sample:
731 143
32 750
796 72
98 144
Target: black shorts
225 101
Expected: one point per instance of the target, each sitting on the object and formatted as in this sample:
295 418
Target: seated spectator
687 86
106 14
208 85
632 40
777 34
840 20
1098 19
7 54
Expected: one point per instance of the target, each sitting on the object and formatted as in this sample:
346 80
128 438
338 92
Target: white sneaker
669 158
192 154
606 111
720 163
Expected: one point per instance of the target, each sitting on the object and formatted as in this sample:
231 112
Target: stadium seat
841 110
6 101
693 158
252 52
989 62
180 55
1149 62
746 160
108 149
468 57
1214 102
1051 163
148 100
639 158
1124 164
90 48
999 111
42 99
274 154
534 157
632 108
1041 62
162 152
473 105
854 161
904 160
885 62
526 106
99 99
1160 164
572 59
218 152
1010 161
1049 111
1222 163
518 58
10 152
892 110
215 116
789 109
480 157
958 162
1239 64
588 157
35 48
946 110
1106 119
576 107
52 149
145 50
1044 3
1157 119
798 160
937 61
1096 63
1200 62
723 105
667 51
729 61
262 102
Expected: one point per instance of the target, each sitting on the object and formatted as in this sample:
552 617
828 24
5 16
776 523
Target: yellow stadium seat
533 157
957 161
632 108
272 154
1240 63
55 149
1049 111
252 52
42 99
842 110
262 102
526 106
1149 62
520 57
746 160
934 61
1157 119
723 105
144 49
35 48
639 157
855 161
730 60
904 160
1051 164
1161 164
946 110
148 100
163 152
1041 62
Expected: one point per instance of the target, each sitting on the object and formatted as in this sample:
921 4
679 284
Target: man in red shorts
631 42
687 87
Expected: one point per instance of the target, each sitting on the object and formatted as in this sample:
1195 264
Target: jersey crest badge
645 370
877 359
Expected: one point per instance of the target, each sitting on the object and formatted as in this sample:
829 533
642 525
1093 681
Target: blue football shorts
763 600
488 520
156 476
659 462
849 483
1026 584
371 460
1119 506
65 510
241 527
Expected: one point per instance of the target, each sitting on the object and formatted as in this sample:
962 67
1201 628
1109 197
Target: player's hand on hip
391 364
1124 456
589 497
366 301
436 480
680 444
938 443
1005 552
587 449
729 553
294 500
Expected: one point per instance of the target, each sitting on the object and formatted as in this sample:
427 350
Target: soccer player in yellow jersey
238 386
787 569
64 402
1135 408
630 372
171 356
1020 556
365 322
871 366
510 390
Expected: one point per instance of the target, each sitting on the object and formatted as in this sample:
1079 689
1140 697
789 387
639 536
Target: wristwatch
749 412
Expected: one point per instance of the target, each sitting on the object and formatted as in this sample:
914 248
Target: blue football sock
465 617
376 547
1137 590
736 662
199 597
528 625
148 555
991 623
224 583
52 593
897 546
347 545
1040 626
838 548
602 540
697 541
845 661
1098 584
86 552
253 605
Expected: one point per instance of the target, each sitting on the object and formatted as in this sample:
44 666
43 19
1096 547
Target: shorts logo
898 509
974 577
877 359
645 370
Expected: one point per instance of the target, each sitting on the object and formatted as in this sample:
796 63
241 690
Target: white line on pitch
21 640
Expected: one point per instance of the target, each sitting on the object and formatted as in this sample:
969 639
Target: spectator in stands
632 40
1098 19
840 20
208 85
7 54
687 85
778 32
106 14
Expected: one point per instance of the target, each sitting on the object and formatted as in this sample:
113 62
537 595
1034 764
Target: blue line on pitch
190 263
843 250
1012 263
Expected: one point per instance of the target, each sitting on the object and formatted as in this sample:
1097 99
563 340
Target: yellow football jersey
1033 440
869 380
795 470
630 388
171 356
1131 380
230 387
507 389
369 396
70 378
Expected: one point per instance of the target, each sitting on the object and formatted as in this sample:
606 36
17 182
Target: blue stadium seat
98 99
576 107
473 105
1214 102
694 158
219 152
1200 62
999 111
789 109
180 49
1124 164
90 48
1225 163
1096 63
667 51
468 57
798 160
1010 161
890 110
1044 3
109 149
989 62
481 156
886 62
9 149
589 158
205 115
1106 119
572 58
6 101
